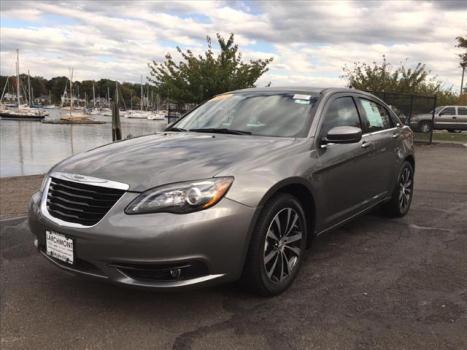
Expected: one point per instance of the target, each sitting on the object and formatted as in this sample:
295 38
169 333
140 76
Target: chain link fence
406 106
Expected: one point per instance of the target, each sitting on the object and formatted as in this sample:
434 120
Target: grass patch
447 136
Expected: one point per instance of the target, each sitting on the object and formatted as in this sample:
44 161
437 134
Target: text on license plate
59 247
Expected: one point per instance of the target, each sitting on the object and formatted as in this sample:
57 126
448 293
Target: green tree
199 77
462 43
57 86
382 77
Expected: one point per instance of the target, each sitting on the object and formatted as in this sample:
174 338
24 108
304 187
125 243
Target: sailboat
134 113
75 116
18 111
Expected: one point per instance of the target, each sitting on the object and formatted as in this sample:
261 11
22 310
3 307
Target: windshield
280 114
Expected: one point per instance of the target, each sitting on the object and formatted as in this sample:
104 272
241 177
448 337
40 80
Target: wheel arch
300 189
411 159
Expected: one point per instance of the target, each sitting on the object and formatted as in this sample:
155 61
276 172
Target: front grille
80 203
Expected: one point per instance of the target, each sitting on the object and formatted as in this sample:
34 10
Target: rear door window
377 117
462 110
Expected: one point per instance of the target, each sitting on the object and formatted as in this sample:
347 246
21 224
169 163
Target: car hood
154 160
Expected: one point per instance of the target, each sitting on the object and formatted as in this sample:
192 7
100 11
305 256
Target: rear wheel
401 198
277 246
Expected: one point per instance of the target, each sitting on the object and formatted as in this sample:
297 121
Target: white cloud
310 41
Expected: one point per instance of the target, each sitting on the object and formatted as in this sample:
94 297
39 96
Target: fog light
175 273
36 243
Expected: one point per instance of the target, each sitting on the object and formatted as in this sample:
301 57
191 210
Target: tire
266 272
425 127
402 195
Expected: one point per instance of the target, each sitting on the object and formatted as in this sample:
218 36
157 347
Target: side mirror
343 134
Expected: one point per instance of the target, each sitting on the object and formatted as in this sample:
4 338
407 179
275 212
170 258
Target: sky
310 41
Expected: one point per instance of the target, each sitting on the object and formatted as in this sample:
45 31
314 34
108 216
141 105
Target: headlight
182 197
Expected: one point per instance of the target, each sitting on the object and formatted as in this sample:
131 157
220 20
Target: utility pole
462 80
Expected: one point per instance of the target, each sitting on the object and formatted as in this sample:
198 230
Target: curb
17 218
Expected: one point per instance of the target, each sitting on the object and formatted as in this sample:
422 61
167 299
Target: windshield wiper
222 131
175 129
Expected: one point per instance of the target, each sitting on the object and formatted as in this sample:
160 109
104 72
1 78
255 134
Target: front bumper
160 250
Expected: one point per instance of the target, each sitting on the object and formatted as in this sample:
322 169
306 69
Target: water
31 147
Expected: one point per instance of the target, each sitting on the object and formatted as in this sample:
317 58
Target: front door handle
366 144
395 135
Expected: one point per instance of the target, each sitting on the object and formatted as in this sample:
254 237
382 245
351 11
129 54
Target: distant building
43 99
10 97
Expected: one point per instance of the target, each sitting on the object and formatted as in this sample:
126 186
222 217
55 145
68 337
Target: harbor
31 147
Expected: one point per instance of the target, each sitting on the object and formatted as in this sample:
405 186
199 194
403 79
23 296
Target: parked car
402 117
451 118
236 189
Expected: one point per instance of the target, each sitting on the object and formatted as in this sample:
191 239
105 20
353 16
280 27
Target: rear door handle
366 144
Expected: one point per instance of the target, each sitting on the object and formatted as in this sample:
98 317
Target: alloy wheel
405 189
282 245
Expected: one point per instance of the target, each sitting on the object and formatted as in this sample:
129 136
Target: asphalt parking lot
375 283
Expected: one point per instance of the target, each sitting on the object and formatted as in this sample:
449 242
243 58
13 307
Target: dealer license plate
59 246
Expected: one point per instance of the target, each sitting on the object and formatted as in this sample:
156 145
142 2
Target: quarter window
341 112
377 116
462 110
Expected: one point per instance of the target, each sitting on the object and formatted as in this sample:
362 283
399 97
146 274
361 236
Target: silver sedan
236 189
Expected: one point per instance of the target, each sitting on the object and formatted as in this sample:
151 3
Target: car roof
301 89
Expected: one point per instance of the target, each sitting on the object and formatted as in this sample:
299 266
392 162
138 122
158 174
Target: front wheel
277 246
425 127
401 198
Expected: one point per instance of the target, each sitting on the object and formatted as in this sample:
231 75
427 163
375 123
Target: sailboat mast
17 76
71 91
29 89
4 88
142 94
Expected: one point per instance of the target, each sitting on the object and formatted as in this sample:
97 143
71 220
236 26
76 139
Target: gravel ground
373 284
15 193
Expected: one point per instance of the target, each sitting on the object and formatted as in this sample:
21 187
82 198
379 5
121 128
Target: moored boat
18 111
